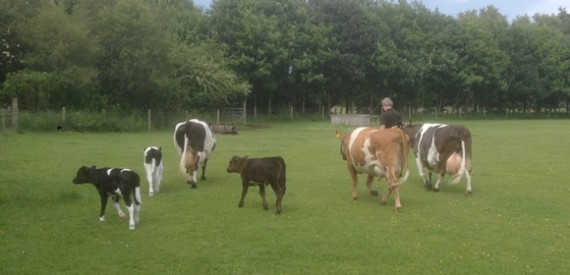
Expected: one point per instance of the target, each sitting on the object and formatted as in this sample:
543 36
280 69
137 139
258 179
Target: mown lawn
516 222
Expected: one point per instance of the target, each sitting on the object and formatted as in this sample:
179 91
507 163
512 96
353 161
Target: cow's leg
117 206
104 198
137 204
393 186
245 186
129 202
427 183
279 193
438 182
468 191
158 180
262 195
150 179
354 177
204 169
369 181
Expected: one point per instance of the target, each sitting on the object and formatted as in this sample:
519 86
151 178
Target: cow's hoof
468 193
436 190
203 178
265 208
277 212
131 226
150 194
374 193
102 218
382 202
428 186
194 185
397 209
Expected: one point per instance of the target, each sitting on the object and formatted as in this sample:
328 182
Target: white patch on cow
372 165
118 208
433 154
102 218
109 171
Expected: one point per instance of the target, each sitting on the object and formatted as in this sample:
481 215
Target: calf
378 153
118 183
442 149
154 168
261 172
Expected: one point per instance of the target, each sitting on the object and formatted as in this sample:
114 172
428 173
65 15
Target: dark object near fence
225 129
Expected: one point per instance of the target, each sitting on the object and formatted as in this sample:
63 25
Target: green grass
516 222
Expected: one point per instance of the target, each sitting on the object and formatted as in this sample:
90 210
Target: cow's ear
159 148
410 122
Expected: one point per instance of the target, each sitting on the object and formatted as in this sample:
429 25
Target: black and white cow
442 149
154 168
195 142
117 183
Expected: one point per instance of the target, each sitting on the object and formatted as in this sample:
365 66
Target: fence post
3 119
291 112
149 118
218 116
63 116
15 113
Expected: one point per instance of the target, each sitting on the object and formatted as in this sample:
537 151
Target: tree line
169 55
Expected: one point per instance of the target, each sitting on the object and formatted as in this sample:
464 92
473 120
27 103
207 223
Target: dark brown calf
261 172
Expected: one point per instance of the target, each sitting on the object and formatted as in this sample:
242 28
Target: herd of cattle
439 148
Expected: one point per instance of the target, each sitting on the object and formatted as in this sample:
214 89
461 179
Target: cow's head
84 175
236 164
340 135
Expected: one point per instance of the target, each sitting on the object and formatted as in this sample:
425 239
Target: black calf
119 183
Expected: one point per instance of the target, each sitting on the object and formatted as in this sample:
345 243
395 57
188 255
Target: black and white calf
154 168
118 183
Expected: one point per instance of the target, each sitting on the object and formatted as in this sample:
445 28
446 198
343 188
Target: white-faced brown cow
377 153
195 142
441 149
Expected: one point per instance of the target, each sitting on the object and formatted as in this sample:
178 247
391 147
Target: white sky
510 8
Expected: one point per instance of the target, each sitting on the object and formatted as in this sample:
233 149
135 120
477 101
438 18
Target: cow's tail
405 165
457 177
282 172
138 197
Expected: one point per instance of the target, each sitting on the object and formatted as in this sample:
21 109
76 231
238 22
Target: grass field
517 221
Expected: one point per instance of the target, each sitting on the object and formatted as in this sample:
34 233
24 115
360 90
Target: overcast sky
510 8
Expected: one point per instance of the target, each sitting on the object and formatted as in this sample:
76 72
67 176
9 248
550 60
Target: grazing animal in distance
441 149
153 166
117 183
377 153
261 172
194 142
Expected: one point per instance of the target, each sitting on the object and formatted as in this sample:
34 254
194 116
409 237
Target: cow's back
263 170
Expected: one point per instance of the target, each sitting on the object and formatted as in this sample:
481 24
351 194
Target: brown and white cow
441 149
377 153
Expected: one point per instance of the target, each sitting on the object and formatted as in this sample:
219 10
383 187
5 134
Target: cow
195 142
117 183
378 153
225 129
154 168
441 149
261 172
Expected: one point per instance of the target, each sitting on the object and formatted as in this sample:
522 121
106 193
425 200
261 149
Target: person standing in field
389 117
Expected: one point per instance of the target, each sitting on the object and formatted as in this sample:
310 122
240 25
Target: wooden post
15 113
291 112
63 116
3 119
149 119
218 116
245 110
